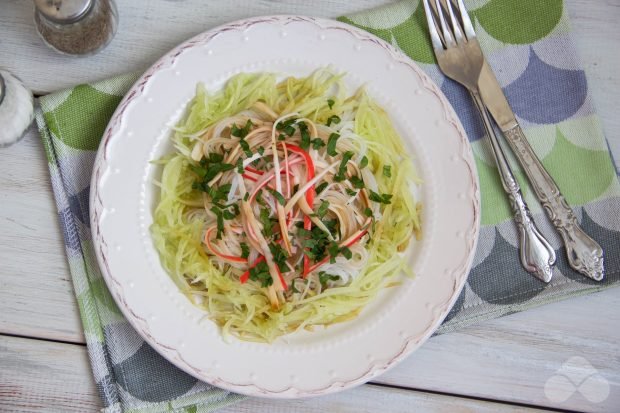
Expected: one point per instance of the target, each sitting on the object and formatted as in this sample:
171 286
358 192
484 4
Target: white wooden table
500 365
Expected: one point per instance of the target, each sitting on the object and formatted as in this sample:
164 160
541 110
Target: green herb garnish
346 252
320 188
331 144
220 221
305 135
260 273
322 209
346 157
241 133
245 146
266 221
387 171
317 143
357 182
364 162
333 119
325 277
278 196
279 256
381 198
245 250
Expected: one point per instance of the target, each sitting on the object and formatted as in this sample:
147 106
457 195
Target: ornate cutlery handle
584 254
536 254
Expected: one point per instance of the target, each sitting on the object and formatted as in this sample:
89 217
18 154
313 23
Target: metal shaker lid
63 11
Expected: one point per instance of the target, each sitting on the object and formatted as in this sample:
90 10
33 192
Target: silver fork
460 58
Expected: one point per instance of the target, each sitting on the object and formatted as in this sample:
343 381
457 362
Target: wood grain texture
146 30
36 294
43 376
49 377
376 399
595 25
511 358
507 359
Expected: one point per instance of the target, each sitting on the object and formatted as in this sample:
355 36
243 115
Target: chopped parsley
240 167
346 157
245 146
278 196
368 212
331 144
333 250
315 241
245 250
317 143
287 126
333 119
220 221
320 188
260 273
357 182
279 256
241 133
380 198
364 162
305 135
346 252
220 193
266 221
387 171
325 277
207 169
351 192
330 103
322 209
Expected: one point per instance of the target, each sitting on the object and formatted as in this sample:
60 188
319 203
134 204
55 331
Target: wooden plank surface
507 359
36 295
147 29
49 377
44 376
512 358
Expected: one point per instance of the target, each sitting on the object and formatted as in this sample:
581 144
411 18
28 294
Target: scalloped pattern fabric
529 46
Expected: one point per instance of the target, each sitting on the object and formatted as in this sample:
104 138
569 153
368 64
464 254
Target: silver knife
584 254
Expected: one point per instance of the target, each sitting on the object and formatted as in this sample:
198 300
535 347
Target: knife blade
584 254
494 98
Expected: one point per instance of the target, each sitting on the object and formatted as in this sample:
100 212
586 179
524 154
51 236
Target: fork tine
467 26
447 34
456 26
432 26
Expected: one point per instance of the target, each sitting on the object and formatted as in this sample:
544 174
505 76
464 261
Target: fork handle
537 256
584 254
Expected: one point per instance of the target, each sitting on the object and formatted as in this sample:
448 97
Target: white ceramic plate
303 364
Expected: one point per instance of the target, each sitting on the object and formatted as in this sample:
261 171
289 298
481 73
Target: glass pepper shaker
76 27
16 108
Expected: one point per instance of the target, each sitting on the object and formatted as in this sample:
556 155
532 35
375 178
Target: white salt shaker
16 109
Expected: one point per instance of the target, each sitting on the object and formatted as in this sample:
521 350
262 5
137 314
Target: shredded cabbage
244 310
